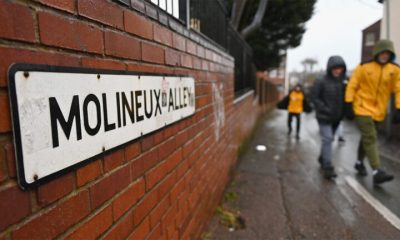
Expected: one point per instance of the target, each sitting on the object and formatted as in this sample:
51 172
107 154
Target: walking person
328 98
369 92
295 108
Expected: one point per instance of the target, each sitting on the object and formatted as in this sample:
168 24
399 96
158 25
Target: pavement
280 193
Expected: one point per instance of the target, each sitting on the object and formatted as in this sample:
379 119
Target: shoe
341 139
381 177
329 173
297 136
361 170
320 160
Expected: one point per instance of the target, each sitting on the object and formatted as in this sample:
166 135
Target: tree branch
257 20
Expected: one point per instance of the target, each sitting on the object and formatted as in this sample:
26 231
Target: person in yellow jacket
295 108
369 91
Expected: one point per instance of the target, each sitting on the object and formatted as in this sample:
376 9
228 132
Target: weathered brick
147 142
172 58
109 186
120 45
132 150
102 11
57 220
5 117
16 22
179 42
149 68
166 148
145 206
141 231
67 33
14 55
66 5
113 160
155 233
186 61
3 163
56 189
145 162
162 35
103 63
158 212
155 175
166 184
127 199
93 227
201 52
196 63
138 25
152 53
14 206
121 229
10 156
191 47
88 173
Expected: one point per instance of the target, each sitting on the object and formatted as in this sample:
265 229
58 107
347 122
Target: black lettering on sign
57 116
171 100
107 126
148 113
184 96
126 107
158 106
118 110
91 98
138 106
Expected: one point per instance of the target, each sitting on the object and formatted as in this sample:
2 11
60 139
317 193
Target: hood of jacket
382 46
335 61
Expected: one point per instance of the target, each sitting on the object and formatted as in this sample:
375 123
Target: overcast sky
335 29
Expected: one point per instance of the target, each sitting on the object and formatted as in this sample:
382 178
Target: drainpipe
388 124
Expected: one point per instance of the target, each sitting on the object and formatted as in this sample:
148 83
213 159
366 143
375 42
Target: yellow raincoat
370 88
296 99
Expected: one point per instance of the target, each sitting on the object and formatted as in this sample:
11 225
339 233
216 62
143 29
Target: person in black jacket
328 98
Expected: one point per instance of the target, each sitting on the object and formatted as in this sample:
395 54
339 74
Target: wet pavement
281 193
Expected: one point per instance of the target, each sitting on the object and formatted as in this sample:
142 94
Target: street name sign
63 117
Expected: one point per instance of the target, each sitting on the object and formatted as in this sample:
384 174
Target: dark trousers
298 122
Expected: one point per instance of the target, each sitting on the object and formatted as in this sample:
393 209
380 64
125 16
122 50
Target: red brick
166 148
109 186
56 189
209 55
66 5
113 160
191 47
103 64
5 117
10 156
67 33
16 22
162 35
94 227
145 206
141 231
147 142
166 185
88 173
158 212
204 65
102 11
121 229
156 233
145 162
120 45
127 199
13 55
138 25
153 53
132 151
173 160
3 161
149 69
196 63
177 190
155 175
57 220
201 52
158 137
186 61
179 42
172 58
14 206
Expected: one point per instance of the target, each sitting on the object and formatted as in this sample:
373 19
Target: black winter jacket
328 93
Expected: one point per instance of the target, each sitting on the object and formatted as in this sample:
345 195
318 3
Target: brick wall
165 185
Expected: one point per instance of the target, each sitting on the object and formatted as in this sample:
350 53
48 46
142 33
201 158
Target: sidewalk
282 195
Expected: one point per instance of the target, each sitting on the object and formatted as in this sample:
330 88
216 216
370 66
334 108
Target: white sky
335 29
